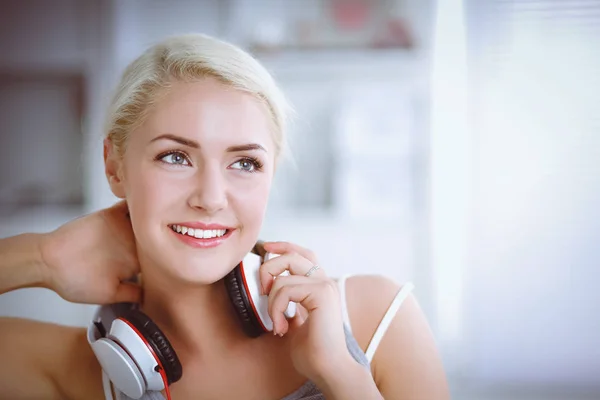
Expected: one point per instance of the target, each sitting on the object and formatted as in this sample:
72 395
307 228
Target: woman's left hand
318 343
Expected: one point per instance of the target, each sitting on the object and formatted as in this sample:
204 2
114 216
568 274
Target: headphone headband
103 318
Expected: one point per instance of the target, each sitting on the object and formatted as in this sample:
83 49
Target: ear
112 168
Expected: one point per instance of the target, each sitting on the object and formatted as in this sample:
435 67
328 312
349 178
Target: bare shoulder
406 364
47 361
368 298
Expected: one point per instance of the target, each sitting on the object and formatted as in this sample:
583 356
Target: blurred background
454 144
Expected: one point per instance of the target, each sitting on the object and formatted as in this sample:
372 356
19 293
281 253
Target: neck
198 320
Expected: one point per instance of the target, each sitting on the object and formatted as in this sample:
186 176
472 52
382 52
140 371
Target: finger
259 249
287 280
279 283
306 294
286 247
293 262
118 221
128 292
130 267
134 277
126 271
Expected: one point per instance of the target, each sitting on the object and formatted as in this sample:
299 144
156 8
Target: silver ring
313 269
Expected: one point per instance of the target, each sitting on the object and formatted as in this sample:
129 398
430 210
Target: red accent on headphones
250 297
160 366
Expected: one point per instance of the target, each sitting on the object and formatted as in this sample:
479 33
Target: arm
31 351
40 360
349 381
84 261
87 260
21 262
46 361
406 364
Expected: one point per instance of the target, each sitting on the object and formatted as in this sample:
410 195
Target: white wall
530 307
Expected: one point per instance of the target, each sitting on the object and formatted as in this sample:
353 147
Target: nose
210 192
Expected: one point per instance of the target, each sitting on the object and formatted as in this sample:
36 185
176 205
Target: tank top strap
342 289
387 319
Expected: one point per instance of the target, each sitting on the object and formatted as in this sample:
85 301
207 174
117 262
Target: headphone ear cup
158 342
120 368
238 295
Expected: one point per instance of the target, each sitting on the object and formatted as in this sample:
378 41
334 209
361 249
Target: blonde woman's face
197 176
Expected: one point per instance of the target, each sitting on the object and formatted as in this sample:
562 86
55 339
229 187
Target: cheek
249 202
148 196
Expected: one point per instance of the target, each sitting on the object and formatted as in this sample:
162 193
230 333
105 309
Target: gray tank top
308 391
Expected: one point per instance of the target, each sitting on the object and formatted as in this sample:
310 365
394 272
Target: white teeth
199 233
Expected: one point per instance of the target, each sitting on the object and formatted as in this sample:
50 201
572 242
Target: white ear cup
250 269
139 350
119 367
132 371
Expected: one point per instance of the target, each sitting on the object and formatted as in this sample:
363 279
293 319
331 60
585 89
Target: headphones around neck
137 357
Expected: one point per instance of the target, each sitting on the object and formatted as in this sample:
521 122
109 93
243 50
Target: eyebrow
196 145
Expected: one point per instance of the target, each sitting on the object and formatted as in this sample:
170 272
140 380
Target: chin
197 276
202 270
206 265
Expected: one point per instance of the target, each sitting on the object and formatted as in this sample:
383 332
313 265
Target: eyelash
169 153
258 165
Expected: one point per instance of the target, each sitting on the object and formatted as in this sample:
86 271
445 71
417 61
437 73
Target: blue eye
175 157
248 164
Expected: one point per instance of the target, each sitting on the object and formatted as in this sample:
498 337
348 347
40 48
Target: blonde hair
191 57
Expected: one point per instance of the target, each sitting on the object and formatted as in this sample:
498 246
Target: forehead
211 113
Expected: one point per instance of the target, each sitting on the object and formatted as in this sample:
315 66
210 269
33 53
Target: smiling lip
202 243
203 226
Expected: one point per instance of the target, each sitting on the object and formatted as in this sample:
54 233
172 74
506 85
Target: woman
194 135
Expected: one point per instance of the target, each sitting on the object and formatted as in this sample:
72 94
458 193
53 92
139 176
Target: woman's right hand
88 260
